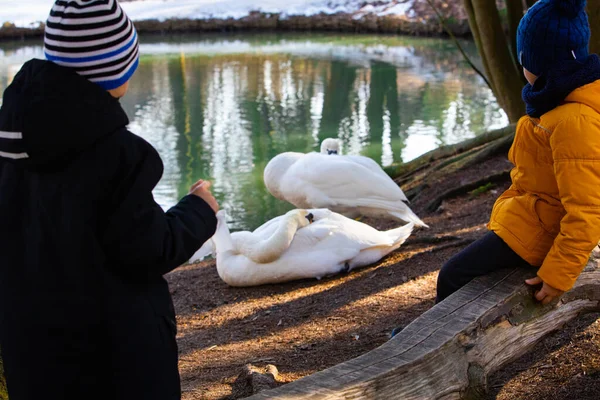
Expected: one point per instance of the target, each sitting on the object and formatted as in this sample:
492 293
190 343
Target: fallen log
450 350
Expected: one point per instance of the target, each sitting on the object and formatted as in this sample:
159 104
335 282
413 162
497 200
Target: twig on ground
463 242
431 239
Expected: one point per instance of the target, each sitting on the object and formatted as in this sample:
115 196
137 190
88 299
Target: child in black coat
85 312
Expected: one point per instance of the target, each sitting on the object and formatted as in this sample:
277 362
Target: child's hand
202 190
547 293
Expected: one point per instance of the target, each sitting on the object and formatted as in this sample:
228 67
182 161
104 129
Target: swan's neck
222 237
269 249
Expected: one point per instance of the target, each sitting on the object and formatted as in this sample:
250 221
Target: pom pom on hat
95 38
553 31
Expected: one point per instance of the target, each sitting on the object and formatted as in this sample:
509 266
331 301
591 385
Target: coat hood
50 113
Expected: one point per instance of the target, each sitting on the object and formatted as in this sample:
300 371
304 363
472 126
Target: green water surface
220 107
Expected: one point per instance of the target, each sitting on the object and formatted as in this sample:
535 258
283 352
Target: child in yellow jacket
550 216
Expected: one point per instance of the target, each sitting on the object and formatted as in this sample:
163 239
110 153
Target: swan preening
314 241
351 185
300 244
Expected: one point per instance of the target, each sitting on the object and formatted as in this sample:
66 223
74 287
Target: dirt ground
306 326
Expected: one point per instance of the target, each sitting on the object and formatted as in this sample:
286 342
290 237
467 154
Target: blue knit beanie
553 31
95 38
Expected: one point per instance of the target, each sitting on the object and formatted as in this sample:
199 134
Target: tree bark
492 44
477 38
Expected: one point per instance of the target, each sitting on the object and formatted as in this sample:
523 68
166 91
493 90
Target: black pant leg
485 255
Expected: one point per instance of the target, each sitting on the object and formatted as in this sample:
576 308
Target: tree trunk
594 16
477 37
514 9
486 26
515 12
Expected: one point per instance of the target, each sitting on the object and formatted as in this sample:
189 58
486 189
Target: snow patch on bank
29 13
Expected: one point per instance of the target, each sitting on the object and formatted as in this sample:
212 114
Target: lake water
220 107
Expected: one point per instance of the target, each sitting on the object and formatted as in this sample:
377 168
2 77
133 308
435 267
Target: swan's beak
330 152
310 217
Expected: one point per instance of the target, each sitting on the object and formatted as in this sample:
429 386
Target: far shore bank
268 22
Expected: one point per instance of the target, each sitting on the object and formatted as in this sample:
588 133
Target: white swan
329 245
331 146
351 185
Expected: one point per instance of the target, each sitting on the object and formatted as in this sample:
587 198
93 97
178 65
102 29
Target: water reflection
220 107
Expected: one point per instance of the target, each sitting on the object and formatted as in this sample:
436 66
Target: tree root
419 178
442 165
401 180
498 146
435 203
403 171
472 157
415 191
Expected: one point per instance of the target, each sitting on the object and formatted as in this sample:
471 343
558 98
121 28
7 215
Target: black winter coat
84 310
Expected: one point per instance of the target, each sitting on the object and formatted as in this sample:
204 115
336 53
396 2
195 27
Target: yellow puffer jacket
550 216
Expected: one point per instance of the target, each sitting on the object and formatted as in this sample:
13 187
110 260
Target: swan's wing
366 162
319 261
337 180
338 231
371 165
311 235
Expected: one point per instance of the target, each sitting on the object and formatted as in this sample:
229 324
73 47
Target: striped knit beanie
553 31
95 38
